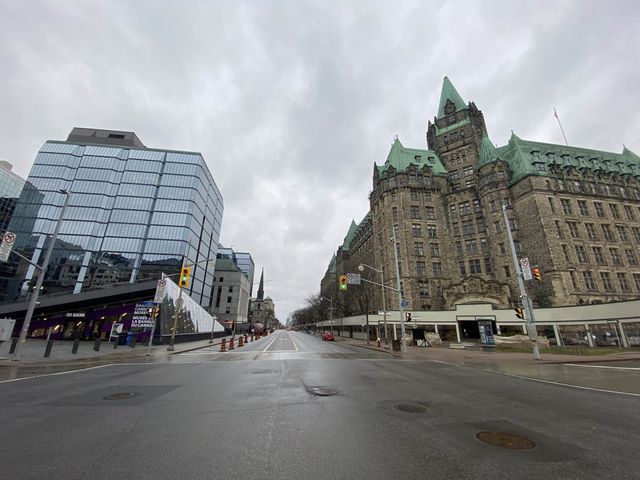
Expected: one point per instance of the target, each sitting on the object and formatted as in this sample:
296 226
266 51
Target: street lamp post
41 270
384 301
528 306
330 300
213 325
403 341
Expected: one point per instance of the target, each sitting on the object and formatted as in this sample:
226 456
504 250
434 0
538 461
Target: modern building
574 212
262 310
231 288
10 189
134 213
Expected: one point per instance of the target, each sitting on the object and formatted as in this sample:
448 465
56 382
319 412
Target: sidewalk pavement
476 355
32 352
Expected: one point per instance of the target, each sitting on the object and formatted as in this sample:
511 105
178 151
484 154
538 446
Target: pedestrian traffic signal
185 275
535 271
343 282
408 315
520 313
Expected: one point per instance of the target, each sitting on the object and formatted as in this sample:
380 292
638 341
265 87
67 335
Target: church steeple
450 99
261 286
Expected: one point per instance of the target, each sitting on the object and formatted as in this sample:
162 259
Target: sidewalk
32 352
475 355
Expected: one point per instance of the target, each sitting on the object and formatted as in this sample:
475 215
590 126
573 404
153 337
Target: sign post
526 268
8 240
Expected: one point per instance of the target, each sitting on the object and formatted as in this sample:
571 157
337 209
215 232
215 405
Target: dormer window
418 158
551 157
540 166
536 154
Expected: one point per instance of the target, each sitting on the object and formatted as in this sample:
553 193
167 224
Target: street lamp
41 270
330 300
213 325
403 341
384 301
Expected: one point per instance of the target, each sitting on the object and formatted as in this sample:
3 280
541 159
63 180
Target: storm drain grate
510 441
322 391
120 396
410 408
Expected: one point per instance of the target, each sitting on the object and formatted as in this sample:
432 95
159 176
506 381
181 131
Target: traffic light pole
526 301
172 340
403 341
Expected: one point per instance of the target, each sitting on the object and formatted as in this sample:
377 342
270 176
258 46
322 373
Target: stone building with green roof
574 212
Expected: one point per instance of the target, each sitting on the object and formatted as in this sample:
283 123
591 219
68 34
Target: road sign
526 268
353 278
8 239
161 288
404 303
116 329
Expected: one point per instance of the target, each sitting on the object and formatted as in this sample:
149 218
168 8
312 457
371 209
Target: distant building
262 310
574 212
231 288
134 213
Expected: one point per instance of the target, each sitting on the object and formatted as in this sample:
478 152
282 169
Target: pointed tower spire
261 286
488 152
450 93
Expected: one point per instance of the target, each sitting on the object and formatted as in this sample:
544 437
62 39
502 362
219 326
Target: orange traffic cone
240 342
223 345
231 347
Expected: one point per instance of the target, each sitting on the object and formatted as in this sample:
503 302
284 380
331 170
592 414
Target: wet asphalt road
253 414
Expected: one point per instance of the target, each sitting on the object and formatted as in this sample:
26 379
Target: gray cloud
291 102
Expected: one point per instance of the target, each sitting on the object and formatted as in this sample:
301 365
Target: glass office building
133 214
10 188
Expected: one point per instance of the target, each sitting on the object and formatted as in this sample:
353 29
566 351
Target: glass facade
10 189
133 214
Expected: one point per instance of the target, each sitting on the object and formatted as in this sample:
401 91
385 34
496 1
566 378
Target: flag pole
555 114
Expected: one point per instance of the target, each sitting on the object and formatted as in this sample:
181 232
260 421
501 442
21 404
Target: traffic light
185 275
408 315
155 311
520 313
535 271
343 282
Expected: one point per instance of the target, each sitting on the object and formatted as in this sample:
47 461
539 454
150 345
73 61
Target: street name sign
353 278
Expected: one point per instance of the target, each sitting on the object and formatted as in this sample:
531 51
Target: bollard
14 344
76 344
231 344
252 337
96 344
133 341
246 338
115 343
47 351
223 345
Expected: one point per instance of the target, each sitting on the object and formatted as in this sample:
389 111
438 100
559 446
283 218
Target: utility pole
526 301
403 341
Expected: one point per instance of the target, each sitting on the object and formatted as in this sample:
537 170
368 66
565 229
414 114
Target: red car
328 337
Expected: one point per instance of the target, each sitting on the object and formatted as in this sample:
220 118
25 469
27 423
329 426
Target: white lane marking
271 343
541 380
600 366
57 373
292 340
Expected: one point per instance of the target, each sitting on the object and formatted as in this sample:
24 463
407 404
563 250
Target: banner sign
142 315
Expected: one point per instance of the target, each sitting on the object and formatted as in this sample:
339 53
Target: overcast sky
291 102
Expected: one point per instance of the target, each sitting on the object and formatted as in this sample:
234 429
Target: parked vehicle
327 337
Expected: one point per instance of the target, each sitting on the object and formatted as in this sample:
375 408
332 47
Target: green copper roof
401 158
354 228
449 92
524 156
488 152
347 240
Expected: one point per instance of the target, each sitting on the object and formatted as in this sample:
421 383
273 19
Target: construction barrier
240 341
223 345
231 347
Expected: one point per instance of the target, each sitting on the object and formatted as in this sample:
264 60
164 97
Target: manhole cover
322 391
120 396
506 440
409 408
